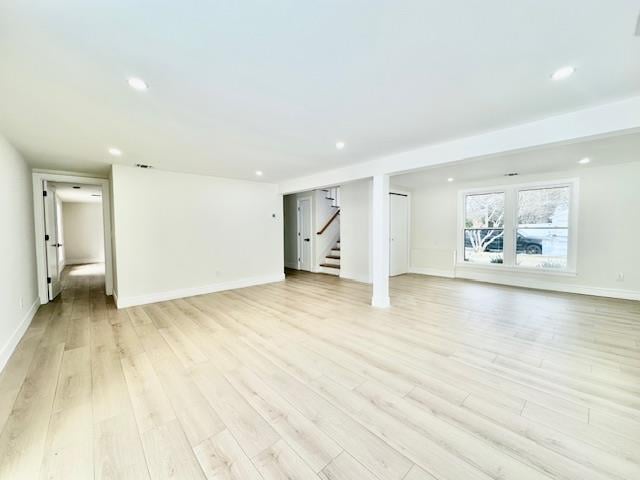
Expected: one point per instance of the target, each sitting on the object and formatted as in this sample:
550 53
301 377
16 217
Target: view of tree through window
543 227
484 228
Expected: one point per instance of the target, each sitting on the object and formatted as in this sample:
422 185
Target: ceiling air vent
143 165
511 174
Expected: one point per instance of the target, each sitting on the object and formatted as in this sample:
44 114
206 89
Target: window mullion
510 225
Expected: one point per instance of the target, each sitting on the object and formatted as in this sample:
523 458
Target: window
519 227
543 228
484 232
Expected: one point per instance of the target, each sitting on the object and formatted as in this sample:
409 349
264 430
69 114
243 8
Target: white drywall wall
18 287
608 232
83 232
355 230
178 234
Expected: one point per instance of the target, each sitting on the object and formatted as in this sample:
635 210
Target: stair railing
326 225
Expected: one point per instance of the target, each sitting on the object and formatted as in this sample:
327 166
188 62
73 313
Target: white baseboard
552 286
81 261
536 284
436 272
9 347
124 302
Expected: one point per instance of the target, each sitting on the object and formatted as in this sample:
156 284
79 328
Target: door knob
306 239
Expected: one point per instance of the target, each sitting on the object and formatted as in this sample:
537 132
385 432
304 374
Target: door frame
312 232
38 214
407 194
52 231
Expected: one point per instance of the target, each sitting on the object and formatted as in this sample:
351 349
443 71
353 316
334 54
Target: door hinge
48 279
44 193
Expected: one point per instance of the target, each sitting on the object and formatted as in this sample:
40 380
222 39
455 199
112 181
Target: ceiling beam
602 120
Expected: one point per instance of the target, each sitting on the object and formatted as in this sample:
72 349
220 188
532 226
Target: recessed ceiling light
340 145
584 161
137 84
259 173
450 179
562 73
116 152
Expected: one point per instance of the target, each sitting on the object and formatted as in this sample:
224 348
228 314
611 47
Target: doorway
73 231
398 233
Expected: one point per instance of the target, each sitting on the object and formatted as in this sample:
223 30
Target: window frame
511 195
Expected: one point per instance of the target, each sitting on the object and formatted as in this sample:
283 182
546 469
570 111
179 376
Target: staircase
331 263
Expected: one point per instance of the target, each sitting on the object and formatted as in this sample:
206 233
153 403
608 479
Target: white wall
355 230
83 232
179 234
114 257
18 287
608 233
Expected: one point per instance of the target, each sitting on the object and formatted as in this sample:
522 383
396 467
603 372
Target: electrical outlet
620 277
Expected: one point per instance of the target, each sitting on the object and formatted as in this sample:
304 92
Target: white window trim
510 192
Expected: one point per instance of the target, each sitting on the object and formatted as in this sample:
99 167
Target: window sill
515 269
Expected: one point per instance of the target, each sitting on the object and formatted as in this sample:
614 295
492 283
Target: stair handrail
333 217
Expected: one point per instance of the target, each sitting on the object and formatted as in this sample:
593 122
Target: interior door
398 234
52 243
304 234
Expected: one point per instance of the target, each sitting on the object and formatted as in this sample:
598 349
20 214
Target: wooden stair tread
335 257
329 265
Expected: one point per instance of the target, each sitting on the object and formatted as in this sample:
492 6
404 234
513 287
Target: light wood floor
303 380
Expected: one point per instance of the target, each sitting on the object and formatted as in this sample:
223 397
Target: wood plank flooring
304 380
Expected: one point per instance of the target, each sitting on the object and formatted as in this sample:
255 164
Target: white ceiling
242 86
559 158
85 194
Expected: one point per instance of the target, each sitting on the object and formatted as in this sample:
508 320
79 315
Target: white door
304 234
398 234
52 243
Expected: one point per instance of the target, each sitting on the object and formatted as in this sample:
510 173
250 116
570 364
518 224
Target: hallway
458 380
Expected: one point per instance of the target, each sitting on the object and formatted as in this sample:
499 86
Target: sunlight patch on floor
89 269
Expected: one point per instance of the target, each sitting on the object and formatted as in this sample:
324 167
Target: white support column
380 241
